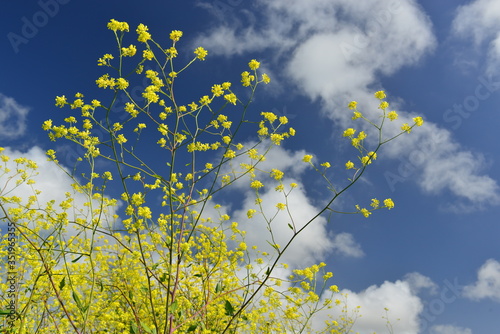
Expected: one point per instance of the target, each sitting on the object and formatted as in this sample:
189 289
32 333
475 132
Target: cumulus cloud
480 21
336 51
449 329
12 118
400 299
487 285
52 183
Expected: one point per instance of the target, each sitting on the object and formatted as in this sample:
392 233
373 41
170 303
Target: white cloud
480 20
487 285
399 297
449 329
345 244
418 282
52 182
336 50
12 118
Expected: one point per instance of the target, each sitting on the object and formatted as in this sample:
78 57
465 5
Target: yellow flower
122 83
281 206
143 33
352 105
307 158
231 98
392 115
349 165
380 95
129 52
406 127
349 132
357 115
200 53
256 184
277 174
384 105
253 64
147 54
250 213
47 125
116 25
418 121
366 160
175 35
60 101
389 203
265 78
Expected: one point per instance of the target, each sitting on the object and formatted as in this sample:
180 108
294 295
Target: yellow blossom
380 95
392 115
200 53
418 121
307 158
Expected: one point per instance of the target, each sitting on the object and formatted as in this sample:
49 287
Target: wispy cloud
12 118
449 329
480 21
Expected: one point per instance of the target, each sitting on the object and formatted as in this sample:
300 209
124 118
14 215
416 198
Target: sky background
434 260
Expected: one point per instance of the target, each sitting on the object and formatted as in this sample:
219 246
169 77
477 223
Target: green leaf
229 308
78 302
192 328
290 226
268 271
218 287
163 277
62 283
78 258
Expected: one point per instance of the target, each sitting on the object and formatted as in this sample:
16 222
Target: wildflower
217 90
60 101
392 115
380 95
176 35
281 206
250 213
406 127
352 105
384 105
116 25
200 53
307 158
143 33
389 204
418 121
349 132
128 52
256 184
366 160
148 54
231 98
357 115
265 78
349 165
277 174
253 64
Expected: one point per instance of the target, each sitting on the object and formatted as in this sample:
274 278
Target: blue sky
434 260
